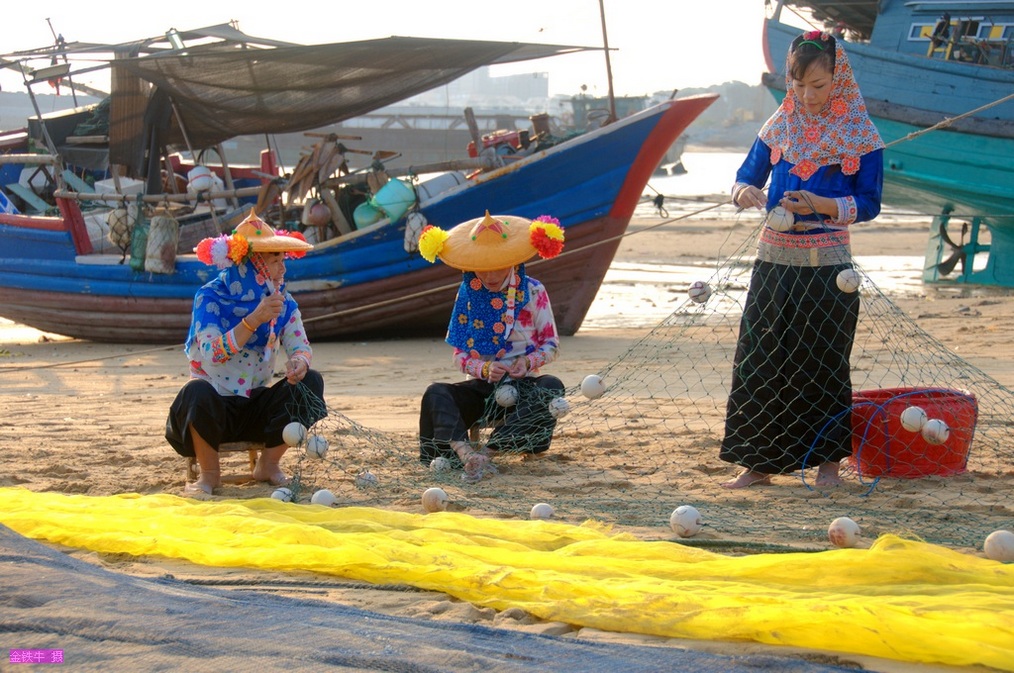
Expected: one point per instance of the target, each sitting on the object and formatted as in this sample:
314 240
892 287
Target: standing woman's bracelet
247 325
737 192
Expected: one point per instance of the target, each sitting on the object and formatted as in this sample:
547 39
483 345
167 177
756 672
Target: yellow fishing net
900 599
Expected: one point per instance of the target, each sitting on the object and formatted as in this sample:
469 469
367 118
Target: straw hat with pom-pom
262 238
252 235
492 242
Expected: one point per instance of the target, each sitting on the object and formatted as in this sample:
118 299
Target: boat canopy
857 15
222 90
197 88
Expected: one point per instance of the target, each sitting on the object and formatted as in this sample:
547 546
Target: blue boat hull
365 283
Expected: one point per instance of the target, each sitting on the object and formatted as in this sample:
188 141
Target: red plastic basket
881 446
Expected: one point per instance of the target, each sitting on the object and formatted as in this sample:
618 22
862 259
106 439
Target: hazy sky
659 45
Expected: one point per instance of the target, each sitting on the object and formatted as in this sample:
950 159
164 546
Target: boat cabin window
970 39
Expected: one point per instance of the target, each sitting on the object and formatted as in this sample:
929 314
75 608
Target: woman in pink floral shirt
503 333
241 321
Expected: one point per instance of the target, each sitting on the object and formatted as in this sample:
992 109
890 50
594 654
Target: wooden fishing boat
173 103
938 80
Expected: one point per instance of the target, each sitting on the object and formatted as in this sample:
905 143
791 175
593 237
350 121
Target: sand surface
80 417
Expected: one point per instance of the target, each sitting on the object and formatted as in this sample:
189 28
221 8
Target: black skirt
449 410
231 418
791 396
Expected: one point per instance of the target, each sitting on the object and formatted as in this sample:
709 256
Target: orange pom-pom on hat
261 237
252 235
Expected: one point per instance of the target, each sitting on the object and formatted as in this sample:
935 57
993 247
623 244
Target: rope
97 359
947 121
373 305
742 545
448 286
441 288
295 583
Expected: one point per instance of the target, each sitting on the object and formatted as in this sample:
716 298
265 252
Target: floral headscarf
232 296
840 133
482 319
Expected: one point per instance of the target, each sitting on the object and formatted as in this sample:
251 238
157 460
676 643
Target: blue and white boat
938 80
57 273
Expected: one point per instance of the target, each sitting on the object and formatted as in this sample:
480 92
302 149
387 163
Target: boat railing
30 159
189 197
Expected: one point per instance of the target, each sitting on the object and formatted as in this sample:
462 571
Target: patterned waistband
823 249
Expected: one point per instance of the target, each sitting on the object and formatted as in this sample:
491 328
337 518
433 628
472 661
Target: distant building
480 83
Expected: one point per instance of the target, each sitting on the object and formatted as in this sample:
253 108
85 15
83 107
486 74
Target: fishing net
950 608
161 244
926 435
630 444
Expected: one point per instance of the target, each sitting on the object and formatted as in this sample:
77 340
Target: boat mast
50 145
777 14
60 43
609 69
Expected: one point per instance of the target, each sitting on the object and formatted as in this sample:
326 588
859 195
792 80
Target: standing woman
503 332
241 320
791 395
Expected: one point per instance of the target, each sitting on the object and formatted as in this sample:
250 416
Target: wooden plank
86 140
31 199
337 216
29 159
330 136
77 183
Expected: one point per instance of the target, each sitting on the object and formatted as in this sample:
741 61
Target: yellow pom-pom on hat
495 242
431 242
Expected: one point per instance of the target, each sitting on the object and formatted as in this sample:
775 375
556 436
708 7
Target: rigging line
947 121
441 288
96 359
399 298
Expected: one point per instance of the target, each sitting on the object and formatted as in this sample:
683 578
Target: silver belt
830 255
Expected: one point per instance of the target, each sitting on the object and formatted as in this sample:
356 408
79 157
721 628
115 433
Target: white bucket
127 186
200 179
440 184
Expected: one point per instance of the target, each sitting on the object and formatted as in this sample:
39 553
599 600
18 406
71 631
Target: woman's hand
497 370
269 308
802 202
476 466
750 197
518 368
295 370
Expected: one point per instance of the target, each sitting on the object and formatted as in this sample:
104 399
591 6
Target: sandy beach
86 418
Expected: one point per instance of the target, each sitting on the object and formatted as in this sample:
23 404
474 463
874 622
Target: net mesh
949 608
651 440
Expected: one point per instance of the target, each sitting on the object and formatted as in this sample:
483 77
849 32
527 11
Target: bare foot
827 475
748 478
198 487
207 482
271 474
477 465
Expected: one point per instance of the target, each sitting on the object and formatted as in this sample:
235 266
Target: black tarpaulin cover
226 90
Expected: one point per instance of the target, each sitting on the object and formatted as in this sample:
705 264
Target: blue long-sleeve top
858 195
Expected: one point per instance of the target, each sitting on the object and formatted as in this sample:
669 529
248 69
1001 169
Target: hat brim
278 243
489 251
262 237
